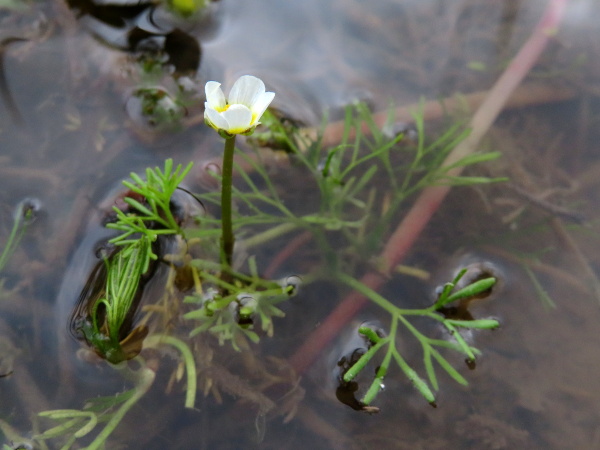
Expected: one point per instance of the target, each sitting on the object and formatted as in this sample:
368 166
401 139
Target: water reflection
166 56
141 28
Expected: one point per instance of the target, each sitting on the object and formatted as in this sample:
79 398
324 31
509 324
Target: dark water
71 130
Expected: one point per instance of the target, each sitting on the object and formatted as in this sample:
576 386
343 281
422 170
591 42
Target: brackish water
71 129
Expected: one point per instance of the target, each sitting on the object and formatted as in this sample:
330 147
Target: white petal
261 104
246 90
214 95
238 117
216 119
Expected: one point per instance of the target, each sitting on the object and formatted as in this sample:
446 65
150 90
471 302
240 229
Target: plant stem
188 359
227 239
16 233
271 233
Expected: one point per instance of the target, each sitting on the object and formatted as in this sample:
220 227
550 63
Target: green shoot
471 290
108 329
23 216
152 215
74 424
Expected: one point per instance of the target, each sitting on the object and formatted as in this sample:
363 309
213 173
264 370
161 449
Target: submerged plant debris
180 345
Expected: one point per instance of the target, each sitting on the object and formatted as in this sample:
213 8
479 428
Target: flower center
223 109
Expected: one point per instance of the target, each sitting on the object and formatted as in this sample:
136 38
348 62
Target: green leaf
140 207
429 368
474 158
449 369
416 380
89 426
466 348
467 181
472 289
376 386
483 324
327 172
251 335
59 430
370 334
359 365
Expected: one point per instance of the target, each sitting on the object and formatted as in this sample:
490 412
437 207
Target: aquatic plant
349 178
105 310
429 345
359 205
362 183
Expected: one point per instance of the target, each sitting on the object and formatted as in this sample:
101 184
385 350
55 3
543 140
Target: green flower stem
227 239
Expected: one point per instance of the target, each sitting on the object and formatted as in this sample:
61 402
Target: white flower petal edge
245 90
261 104
215 119
215 98
239 118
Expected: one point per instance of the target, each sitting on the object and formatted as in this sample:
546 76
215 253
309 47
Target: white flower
241 112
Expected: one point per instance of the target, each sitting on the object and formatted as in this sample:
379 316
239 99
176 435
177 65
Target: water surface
74 132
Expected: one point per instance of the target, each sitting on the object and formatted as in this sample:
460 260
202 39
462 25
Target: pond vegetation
219 293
